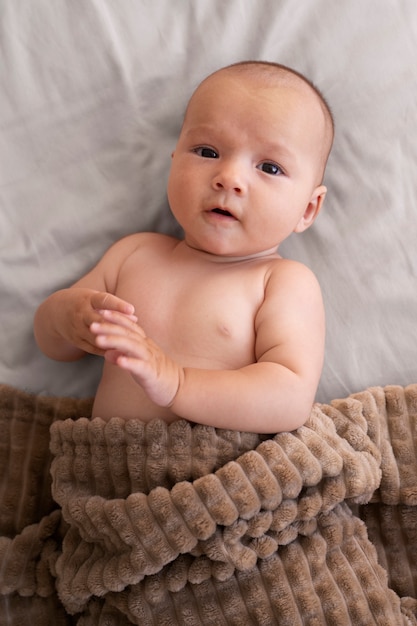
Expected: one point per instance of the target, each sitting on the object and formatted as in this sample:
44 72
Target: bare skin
216 328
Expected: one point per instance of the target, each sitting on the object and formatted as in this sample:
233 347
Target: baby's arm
276 393
62 322
273 394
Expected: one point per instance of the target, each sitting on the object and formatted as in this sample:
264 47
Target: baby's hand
80 307
125 344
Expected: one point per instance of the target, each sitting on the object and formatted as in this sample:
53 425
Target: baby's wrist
180 381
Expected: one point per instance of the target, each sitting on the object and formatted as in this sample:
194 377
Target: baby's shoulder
133 249
291 289
145 242
289 273
146 239
281 265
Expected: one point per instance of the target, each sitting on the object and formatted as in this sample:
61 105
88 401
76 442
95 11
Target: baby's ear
312 210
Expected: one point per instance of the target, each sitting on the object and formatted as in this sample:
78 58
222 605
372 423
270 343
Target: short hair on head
271 67
259 69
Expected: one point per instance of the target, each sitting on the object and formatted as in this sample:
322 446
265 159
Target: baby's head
255 140
264 75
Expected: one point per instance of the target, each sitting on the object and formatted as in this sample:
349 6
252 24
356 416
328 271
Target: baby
217 327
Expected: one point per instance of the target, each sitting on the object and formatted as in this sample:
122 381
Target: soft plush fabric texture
123 522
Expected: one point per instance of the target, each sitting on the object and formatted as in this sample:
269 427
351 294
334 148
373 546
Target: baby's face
247 167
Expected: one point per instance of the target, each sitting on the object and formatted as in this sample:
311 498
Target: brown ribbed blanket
121 522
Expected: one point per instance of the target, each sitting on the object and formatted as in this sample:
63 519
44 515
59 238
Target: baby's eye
270 168
206 153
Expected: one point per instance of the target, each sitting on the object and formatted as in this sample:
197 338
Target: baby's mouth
222 212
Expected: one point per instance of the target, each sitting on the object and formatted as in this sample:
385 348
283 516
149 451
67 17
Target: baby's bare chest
204 318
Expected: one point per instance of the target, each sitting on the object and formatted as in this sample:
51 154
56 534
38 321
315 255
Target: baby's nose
230 178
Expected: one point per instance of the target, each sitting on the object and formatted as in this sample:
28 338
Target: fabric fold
150 523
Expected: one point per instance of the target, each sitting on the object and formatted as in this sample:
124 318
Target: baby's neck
218 258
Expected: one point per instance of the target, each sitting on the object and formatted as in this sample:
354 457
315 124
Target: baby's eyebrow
200 129
269 144
278 150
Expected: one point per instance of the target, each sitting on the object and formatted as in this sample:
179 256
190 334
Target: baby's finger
124 345
120 319
102 300
107 313
112 356
106 328
113 332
